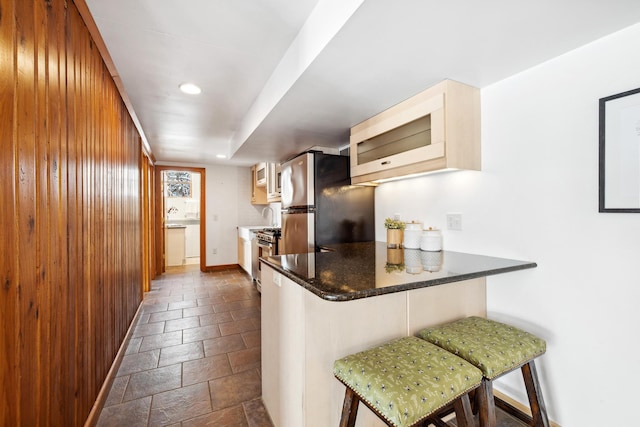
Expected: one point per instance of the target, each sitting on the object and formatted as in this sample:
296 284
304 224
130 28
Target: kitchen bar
321 306
359 270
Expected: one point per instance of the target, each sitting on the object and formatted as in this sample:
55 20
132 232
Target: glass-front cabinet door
414 135
437 129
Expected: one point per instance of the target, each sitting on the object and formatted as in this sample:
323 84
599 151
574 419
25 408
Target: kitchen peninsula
321 306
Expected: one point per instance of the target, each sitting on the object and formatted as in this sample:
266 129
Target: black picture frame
619 153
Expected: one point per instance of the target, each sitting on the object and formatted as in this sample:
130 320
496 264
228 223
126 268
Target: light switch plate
454 221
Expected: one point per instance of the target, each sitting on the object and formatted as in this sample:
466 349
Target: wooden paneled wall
70 216
148 223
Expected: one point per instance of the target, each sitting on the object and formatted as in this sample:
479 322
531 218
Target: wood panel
10 352
148 242
72 197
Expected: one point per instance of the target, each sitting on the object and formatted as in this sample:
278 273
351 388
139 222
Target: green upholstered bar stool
496 349
406 382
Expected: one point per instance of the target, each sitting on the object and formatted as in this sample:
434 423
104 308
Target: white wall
223 195
537 199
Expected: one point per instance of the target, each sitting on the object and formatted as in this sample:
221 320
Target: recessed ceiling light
190 88
221 156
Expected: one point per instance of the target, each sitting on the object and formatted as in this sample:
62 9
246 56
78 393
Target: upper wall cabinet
436 129
265 183
258 192
274 182
261 174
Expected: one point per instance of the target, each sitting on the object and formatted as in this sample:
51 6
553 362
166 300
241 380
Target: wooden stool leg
486 403
464 415
534 392
349 409
473 396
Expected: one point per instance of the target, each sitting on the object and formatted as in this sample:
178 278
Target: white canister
412 261
412 235
431 261
431 240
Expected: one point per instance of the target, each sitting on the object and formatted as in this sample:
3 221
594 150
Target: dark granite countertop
360 270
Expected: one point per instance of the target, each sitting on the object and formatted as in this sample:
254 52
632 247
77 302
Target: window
178 184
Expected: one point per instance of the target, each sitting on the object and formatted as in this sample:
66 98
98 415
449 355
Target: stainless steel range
266 242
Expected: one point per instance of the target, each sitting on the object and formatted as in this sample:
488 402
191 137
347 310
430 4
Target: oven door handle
265 245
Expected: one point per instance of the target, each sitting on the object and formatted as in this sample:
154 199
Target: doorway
180 217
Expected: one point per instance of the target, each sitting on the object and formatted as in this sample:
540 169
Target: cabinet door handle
386 163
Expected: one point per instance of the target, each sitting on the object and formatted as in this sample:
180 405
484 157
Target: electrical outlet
396 216
454 221
215 251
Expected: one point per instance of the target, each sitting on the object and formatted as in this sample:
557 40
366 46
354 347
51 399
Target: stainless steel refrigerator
320 207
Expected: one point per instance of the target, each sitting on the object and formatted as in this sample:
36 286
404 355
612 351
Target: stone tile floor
194 356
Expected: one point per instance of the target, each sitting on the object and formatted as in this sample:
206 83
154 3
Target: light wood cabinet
303 334
240 249
244 254
283 349
270 347
261 174
241 257
174 248
274 181
192 241
437 129
258 193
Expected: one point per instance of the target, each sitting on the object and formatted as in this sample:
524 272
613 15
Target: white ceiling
281 76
